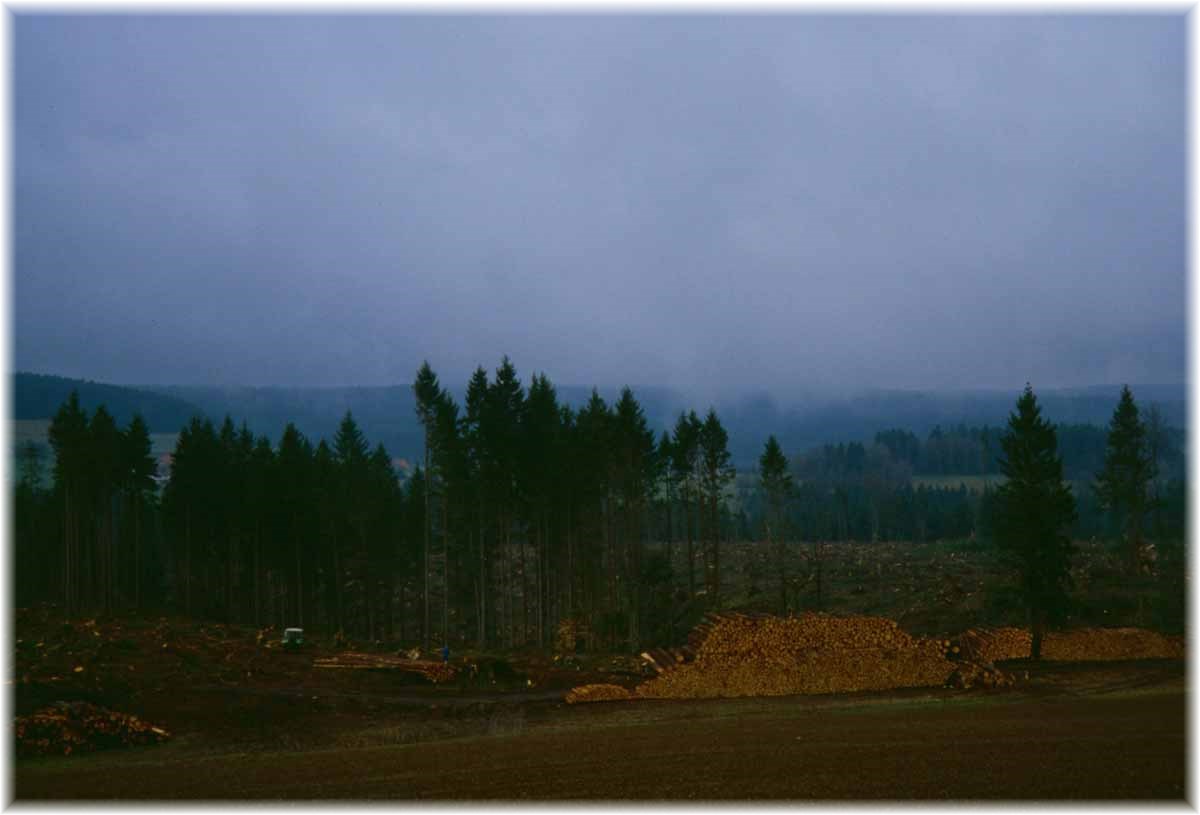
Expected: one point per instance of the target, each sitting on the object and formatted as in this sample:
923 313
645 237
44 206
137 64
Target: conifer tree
634 458
293 482
69 440
685 462
1123 485
137 484
503 414
427 393
776 483
477 469
351 453
716 474
105 477
540 437
1033 510
663 456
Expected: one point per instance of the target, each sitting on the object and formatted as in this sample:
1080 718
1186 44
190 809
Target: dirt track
1129 745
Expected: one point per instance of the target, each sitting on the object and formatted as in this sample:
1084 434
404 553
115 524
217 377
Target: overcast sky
788 202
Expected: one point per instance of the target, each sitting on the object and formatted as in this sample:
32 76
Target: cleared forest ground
249 721
1106 733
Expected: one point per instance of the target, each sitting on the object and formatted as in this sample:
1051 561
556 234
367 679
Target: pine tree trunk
257 575
137 554
483 581
187 563
445 570
425 532
691 553
483 575
336 581
716 524
570 562
818 554
299 580
524 594
1038 633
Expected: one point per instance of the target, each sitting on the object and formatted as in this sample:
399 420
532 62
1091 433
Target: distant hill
386 414
858 418
38 396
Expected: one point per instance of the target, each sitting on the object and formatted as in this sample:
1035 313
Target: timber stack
989 645
1111 644
765 655
432 671
597 693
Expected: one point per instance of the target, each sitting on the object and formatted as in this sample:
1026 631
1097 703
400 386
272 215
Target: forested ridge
386 413
521 512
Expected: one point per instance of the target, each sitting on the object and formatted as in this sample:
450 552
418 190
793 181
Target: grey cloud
784 202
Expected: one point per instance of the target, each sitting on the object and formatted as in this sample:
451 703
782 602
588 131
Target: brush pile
596 693
79 727
764 655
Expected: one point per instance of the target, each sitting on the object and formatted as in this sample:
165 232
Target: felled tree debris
66 728
433 671
596 693
973 675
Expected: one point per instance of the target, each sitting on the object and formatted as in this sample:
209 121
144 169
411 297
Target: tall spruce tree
137 484
716 474
776 483
1033 510
1123 486
503 415
477 473
633 454
69 439
428 394
685 463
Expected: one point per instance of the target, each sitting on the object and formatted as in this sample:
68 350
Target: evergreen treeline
963 450
523 511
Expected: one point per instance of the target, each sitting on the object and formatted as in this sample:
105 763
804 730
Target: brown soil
250 722
986 747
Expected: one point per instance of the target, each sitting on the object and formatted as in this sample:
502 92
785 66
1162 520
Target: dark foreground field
1075 732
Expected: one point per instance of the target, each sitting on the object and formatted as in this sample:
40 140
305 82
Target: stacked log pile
79 727
988 645
433 671
596 693
763 655
1111 644
992 645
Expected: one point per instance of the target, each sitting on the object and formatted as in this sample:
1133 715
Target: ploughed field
221 712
